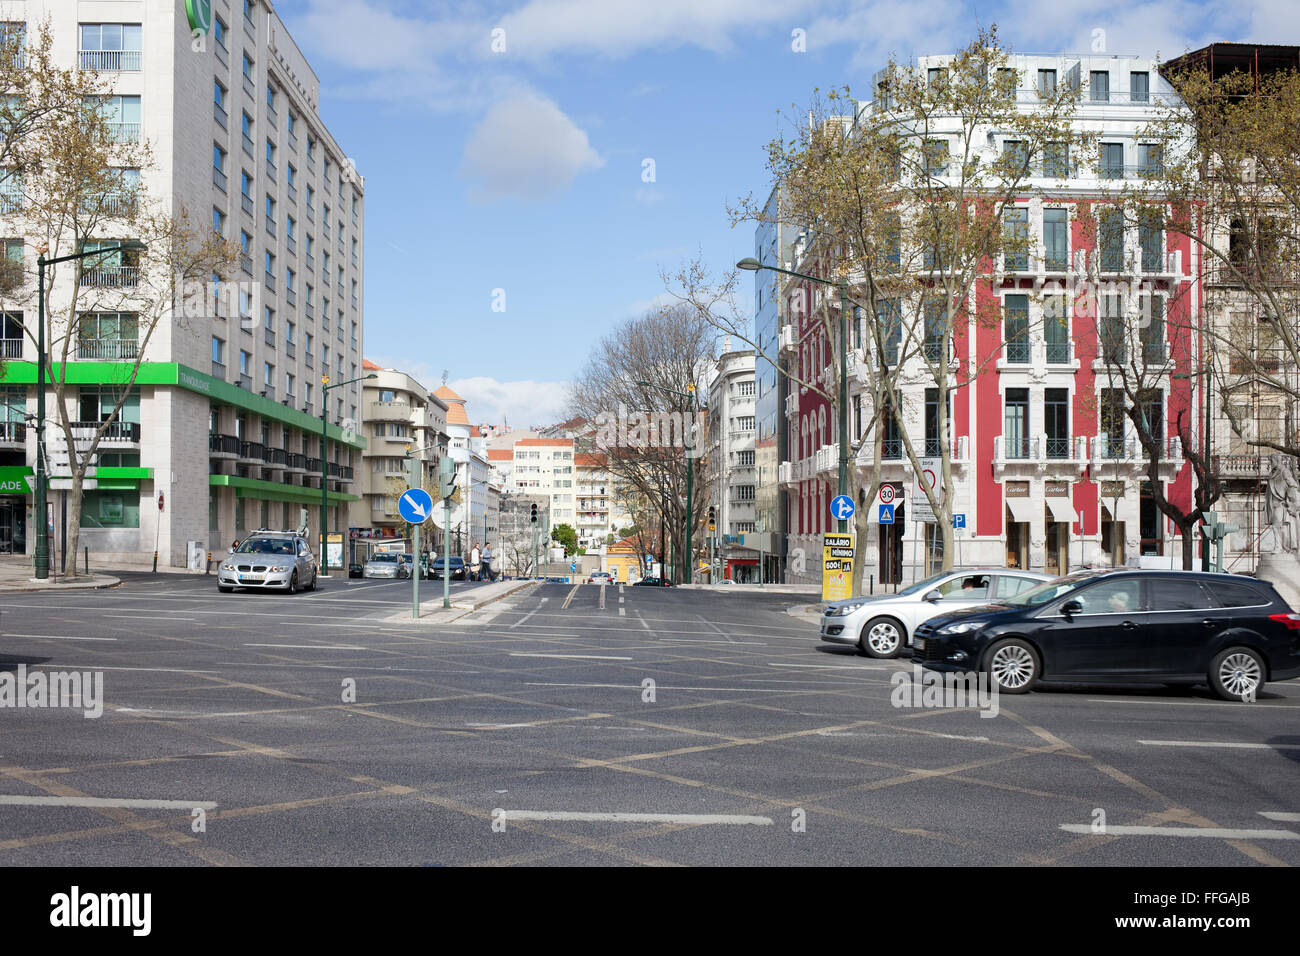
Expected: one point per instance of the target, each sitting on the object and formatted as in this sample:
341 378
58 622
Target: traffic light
446 478
533 518
712 516
1216 531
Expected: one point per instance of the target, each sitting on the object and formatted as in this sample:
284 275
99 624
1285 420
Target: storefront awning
1126 510
1062 510
1022 510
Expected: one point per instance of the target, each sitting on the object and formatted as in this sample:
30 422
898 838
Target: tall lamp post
690 472
1205 444
753 265
42 516
325 387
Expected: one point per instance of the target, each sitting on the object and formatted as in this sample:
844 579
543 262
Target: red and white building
1048 473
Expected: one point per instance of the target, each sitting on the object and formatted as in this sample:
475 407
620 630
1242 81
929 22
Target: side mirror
1071 608
932 596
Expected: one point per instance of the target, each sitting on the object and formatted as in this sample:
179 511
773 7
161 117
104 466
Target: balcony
223 446
219 114
1251 467
313 465
251 451
11 348
110 349
346 473
123 132
13 433
219 179
1018 352
295 462
116 433
123 277
246 203
109 61
388 411
1058 353
246 263
275 456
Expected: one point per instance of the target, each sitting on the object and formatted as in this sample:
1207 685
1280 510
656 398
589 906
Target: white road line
620 589
500 726
745 690
146 617
121 804
313 647
159 670
1179 703
728 819
530 613
567 600
715 628
622 612
709 640
594 657
60 637
1217 833
1280 817
1227 744
842 667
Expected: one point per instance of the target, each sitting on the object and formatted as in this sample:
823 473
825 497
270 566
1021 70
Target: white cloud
528 148
521 403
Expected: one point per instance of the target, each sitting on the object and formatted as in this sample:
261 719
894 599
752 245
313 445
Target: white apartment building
732 477
226 418
599 513
476 515
1048 475
545 467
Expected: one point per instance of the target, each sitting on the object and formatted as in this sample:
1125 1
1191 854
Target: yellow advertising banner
837 567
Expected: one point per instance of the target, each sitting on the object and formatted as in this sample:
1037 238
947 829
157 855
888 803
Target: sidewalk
463 603
730 588
18 574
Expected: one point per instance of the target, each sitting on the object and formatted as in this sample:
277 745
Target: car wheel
223 589
1013 666
881 638
1237 674
293 583
314 575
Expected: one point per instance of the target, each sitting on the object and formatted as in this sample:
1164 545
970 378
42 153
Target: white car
269 559
600 577
881 625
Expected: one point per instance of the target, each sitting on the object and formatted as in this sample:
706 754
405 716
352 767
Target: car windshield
1049 590
266 546
384 558
927 585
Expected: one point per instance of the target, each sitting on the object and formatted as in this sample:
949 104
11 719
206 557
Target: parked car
269 559
356 570
1231 632
882 625
455 568
653 583
600 577
386 564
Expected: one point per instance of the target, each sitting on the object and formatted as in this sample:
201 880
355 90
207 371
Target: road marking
622 612
843 667
161 670
602 597
567 600
1178 703
621 600
1217 833
727 819
1218 743
314 647
146 617
594 657
745 690
123 804
620 590
530 613
60 637
1280 817
709 640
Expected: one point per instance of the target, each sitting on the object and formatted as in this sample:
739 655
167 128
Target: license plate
918 643
250 577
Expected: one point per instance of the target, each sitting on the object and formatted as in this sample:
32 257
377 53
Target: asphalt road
311 731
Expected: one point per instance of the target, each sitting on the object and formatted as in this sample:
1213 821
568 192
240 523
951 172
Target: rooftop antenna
444 376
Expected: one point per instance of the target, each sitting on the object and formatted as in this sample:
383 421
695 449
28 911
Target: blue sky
522 170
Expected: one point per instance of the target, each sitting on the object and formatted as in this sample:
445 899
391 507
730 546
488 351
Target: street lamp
753 265
1205 442
42 518
325 387
690 472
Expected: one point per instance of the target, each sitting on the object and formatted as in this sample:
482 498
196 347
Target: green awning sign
200 16
15 479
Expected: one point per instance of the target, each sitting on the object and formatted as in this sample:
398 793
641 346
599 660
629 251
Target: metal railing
13 432
1058 447
252 450
122 276
124 132
109 61
1058 353
223 445
1017 352
114 432
11 348
108 349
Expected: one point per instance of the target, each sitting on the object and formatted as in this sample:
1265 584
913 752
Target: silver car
881 625
387 564
269 560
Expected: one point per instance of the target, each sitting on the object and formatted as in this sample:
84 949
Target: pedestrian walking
486 558
475 559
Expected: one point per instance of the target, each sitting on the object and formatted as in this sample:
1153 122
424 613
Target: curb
441 615
110 583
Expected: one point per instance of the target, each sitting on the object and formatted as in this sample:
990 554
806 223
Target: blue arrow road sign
842 508
415 505
573 567
886 514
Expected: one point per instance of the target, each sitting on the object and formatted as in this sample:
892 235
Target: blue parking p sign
959 522
886 514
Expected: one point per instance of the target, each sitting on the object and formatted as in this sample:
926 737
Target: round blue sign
415 505
842 508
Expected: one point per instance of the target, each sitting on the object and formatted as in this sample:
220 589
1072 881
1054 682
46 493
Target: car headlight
279 568
227 567
845 609
963 628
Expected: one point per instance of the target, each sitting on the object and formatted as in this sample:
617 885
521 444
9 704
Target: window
219 97
270 153
1056 329
938 77
110 509
269 371
218 351
245 360
1008 80
288 332
1110 240
1015 425
270 97
936 157
219 32
1056 239
219 164
932 444
1099 86
245 242
1016 154
289 383
1110 424
1056 421
1046 82
269 314
935 321
1139 87
1151 159
1110 597
108 335
1015 309
218 221
1151 328
1015 234
1150 240
1113 345
246 125
890 317
1112 161
248 67
121 115
248 10
1056 160
109 47
245 183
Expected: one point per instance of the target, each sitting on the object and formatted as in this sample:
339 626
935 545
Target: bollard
871 579
155 562
87 559
207 565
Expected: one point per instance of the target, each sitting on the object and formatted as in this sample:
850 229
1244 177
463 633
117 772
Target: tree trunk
1187 530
